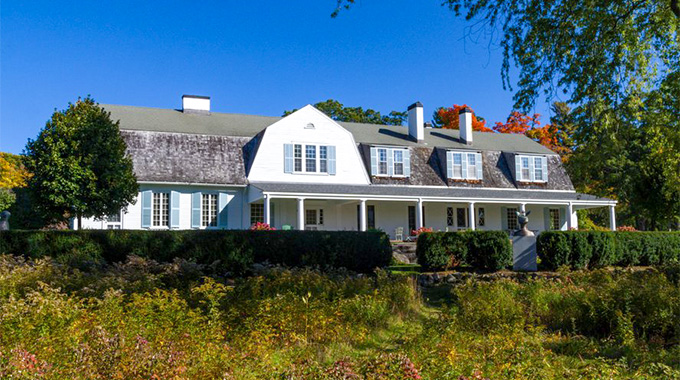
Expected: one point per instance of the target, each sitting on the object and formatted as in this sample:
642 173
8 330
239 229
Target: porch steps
403 251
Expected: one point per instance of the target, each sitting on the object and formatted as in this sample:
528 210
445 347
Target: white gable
307 126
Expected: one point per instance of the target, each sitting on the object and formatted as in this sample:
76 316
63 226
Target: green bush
230 250
490 250
591 249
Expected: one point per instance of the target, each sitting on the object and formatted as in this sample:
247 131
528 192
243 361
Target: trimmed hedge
592 249
490 250
232 250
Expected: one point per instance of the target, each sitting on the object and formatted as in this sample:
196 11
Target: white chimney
465 125
415 122
196 104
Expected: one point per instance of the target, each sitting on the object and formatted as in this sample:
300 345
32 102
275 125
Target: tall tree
518 123
447 118
79 164
337 111
558 134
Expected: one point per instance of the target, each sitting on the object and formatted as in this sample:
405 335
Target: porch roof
432 193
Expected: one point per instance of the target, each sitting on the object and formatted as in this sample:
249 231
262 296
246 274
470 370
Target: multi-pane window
297 157
411 218
313 219
256 213
398 162
449 216
526 173
161 209
113 221
370 210
538 169
457 165
481 220
209 210
471 165
461 217
323 159
555 222
310 161
382 161
512 219
310 217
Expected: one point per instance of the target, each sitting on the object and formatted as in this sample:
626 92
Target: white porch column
419 214
301 213
612 217
471 215
267 209
362 215
570 212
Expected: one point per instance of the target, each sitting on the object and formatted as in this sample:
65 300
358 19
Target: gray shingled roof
411 191
229 124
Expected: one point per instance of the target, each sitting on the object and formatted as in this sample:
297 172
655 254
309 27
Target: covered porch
399 210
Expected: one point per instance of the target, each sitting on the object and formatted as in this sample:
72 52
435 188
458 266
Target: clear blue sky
249 57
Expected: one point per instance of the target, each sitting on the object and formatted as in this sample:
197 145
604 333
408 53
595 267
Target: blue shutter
480 167
196 210
546 218
146 208
504 218
287 158
449 164
330 151
374 161
463 163
390 162
545 168
532 173
407 163
222 209
174 209
518 168
563 218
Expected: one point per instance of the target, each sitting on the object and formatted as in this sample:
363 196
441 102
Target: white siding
268 163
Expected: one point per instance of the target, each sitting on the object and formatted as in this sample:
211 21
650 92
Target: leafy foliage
337 111
13 174
490 250
447 118
79 165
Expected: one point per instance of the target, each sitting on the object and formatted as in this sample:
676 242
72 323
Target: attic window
309 126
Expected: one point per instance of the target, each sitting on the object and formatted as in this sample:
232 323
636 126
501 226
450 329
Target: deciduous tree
447 118
337 111
79 164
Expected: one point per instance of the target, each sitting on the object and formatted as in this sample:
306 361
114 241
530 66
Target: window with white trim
113 221
457 165
382 161
323 159
532 168
160 209
555 220
471 166
465 165
256 213
511 216
310 158
209 210
398 161
298 157
481 220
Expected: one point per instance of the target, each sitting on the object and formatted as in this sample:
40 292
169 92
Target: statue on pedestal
523 221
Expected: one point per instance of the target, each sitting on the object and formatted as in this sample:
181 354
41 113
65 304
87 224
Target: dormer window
531 168
464 165
390 162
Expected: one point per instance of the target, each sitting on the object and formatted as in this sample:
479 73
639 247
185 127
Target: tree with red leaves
518 123
447 118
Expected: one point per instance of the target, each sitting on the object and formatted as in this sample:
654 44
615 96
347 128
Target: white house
199 169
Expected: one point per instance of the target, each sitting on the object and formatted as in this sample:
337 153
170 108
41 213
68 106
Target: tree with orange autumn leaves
447 118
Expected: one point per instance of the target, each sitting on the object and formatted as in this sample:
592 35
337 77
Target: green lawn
145 320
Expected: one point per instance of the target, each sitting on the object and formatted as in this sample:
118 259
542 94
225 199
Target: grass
148 320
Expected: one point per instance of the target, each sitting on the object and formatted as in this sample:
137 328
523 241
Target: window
471 166
310 162
382 161
480 217
526 174
370 210
114 218
538 169
449 216
256 213
310 217
209 210
323 159
461 217
298 157
411 219
161 209
398 162
457 165
313 219
512 219
555 220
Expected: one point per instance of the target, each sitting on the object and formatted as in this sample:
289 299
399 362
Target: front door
314 219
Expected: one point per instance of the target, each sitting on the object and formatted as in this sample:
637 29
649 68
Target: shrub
480 249
590 249
230 250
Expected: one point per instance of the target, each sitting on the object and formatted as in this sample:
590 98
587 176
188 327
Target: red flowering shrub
626 228
259 226
421 230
